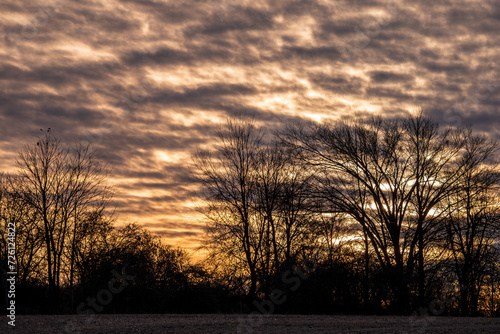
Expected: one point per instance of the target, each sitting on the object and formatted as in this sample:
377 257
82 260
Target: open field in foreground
224 323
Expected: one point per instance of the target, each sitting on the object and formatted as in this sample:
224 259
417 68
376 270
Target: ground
227 323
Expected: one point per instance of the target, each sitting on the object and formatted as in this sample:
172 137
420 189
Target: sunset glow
152 80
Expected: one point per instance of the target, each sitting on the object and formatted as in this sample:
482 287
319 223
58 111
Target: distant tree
161 272
489 302
295 209
283 201
28 239
472 223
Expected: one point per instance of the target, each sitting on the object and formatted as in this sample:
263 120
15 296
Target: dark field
223 323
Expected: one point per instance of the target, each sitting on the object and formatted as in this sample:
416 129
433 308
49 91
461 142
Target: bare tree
62 185
472 223
283 198
28 240
228 179
257 204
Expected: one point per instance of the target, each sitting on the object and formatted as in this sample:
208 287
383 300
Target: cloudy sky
150 80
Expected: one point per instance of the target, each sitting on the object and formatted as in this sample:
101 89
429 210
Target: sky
150 81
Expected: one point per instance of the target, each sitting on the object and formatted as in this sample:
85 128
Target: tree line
394 215
68 244
397 213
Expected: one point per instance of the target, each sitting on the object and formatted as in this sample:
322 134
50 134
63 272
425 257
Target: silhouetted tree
257 205
28 238
228 179
472 222
64 186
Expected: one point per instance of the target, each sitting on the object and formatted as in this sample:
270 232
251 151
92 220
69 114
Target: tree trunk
421 273
366 282
464 302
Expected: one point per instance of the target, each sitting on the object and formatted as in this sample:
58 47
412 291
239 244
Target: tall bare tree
228 179
62 185
257 203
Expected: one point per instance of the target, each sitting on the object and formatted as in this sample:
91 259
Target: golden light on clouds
171 157
152 80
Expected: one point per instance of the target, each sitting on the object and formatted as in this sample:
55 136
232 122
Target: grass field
224 323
